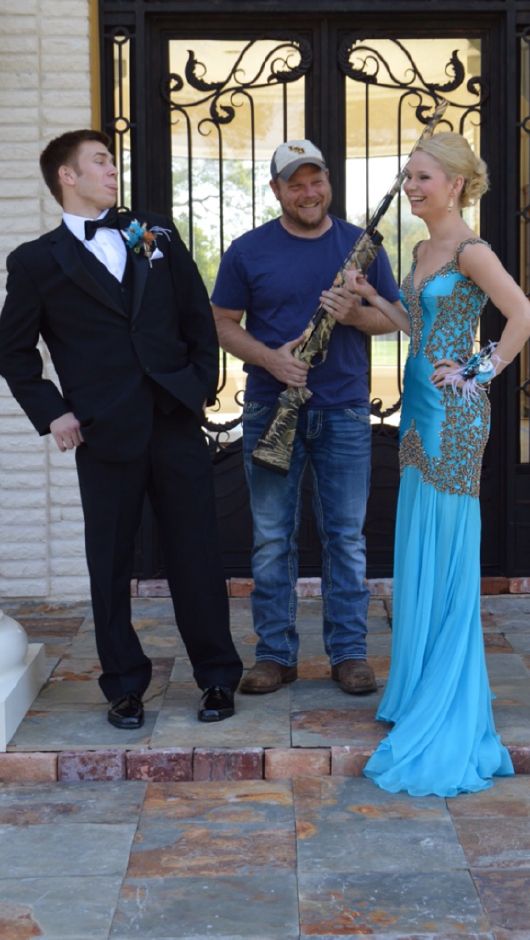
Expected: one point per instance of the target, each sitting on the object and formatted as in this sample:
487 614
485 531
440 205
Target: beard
307 219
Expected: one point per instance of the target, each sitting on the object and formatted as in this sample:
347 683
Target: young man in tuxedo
128 324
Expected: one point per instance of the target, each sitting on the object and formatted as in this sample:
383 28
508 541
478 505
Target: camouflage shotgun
274 448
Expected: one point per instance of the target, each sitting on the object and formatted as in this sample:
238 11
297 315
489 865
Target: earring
450 204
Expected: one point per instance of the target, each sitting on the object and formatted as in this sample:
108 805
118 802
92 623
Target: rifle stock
275 447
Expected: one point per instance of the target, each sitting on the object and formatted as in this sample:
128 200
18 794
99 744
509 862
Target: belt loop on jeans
314 419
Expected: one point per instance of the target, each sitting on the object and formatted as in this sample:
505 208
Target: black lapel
140 267
66 253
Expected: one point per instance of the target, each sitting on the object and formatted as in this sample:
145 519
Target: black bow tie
111 220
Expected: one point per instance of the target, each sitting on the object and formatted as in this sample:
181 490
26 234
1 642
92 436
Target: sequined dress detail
443 740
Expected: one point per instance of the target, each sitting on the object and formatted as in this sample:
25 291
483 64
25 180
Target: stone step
197 764
310 587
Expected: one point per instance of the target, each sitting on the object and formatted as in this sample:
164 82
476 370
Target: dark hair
63 150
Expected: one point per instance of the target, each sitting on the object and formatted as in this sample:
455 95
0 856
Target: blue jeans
336 444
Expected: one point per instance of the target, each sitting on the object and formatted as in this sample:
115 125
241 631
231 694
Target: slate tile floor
70 712
268 860
289 856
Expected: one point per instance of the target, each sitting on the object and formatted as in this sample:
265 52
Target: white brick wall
44 90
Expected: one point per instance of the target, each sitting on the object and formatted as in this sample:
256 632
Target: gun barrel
274 449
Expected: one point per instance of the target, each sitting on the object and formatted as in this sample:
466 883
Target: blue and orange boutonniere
142 239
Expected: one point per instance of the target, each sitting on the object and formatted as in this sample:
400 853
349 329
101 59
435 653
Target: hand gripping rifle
275 446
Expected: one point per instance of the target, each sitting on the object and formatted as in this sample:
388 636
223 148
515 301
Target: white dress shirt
107 244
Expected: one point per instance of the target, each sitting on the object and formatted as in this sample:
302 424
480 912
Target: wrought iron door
196 105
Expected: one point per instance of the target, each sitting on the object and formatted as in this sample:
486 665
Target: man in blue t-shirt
278 274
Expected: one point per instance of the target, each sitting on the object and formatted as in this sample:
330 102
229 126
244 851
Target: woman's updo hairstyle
456 158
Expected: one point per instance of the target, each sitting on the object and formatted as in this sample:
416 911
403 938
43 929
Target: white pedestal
19 687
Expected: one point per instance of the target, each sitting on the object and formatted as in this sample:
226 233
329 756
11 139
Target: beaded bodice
443 435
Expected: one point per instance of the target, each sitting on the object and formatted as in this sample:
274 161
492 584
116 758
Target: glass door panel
390 85
231 103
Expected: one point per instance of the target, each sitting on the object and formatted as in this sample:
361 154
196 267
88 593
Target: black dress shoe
126 712
217 703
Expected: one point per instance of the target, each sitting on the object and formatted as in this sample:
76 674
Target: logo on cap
291 155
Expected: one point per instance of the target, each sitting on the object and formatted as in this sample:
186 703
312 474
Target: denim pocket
358 414
255 409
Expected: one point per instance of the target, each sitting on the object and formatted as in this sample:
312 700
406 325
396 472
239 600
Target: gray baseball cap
291 155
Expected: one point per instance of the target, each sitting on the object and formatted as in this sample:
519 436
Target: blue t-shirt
277 278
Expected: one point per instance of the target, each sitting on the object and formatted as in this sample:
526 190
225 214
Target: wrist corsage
480 366
479 369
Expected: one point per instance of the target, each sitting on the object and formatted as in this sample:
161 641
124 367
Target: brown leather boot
267 676
355 676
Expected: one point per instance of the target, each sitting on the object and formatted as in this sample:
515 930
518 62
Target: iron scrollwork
365 63
275 69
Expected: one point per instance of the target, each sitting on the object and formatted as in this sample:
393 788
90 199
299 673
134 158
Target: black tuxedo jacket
107 356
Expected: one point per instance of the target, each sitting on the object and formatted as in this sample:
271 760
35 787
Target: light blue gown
438 697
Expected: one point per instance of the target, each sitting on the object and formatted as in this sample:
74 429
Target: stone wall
45 85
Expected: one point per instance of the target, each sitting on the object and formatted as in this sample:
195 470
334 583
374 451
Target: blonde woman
438 696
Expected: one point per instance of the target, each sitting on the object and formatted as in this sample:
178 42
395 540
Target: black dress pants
176 472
